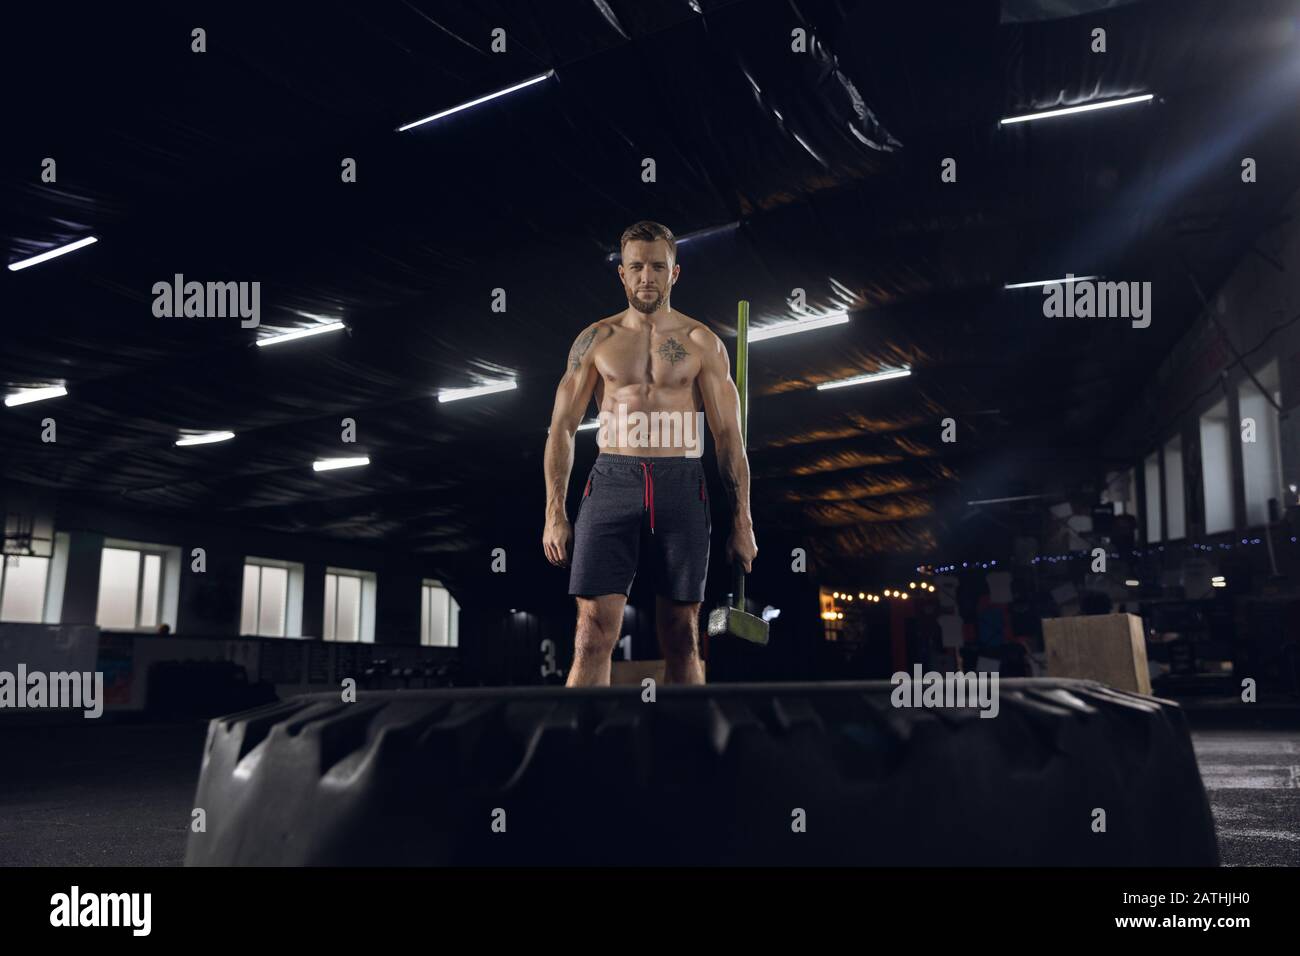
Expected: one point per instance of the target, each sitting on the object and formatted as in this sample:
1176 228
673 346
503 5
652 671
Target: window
1175 509
266 599
130 589
1216 468
1151 481
349 605
271 605
22 588
139 585
439 616
271 589
1261 458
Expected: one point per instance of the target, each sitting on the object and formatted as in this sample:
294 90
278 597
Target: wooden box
623 673
1109 648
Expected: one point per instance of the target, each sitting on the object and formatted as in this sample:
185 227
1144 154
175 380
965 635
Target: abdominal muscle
647 435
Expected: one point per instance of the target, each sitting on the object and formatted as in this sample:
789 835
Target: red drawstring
648 471
588 491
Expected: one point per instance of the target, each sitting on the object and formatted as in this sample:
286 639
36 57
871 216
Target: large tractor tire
1069 773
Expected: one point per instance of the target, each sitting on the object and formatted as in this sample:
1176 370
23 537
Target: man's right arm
571 399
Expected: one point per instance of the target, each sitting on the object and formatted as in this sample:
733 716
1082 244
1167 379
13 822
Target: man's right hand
556 540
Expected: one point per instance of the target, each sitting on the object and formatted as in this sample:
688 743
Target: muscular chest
666 360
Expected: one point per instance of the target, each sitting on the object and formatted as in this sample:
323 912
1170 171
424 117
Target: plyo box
1109 648
625 673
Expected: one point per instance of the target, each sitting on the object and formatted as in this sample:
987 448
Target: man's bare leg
677 624
599 621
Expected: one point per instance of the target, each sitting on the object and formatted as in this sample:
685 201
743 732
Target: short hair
647 231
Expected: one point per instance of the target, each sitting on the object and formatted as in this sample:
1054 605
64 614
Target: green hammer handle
742 388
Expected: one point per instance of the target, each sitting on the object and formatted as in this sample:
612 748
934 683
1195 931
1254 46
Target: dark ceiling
817 171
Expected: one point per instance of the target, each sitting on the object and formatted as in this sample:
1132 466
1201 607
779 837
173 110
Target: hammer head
735 622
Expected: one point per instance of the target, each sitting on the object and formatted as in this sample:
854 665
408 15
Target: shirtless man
648 358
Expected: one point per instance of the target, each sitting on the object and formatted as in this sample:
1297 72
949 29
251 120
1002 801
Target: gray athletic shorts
628 501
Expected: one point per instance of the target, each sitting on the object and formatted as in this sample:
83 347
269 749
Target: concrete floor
1253 781
110 795
121 794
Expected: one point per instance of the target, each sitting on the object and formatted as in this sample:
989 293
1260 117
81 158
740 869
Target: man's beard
648 306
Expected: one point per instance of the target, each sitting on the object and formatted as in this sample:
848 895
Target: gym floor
1253 780
121 794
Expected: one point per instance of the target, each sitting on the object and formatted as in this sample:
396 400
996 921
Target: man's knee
678 631
598 625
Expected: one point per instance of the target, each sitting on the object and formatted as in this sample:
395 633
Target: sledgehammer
733 620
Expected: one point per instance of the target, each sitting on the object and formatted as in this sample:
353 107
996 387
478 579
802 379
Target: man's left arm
722 409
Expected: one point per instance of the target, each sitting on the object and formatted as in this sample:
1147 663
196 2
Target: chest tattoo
672 351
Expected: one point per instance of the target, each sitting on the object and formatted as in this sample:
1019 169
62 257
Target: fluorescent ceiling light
26 395
456 394
52 254
1000 501
1081 108
329 464
205 439
800 325
881 376
1066 281
482 99
706 232
299 334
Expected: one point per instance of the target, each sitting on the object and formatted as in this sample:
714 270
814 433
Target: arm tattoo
580 348
672 351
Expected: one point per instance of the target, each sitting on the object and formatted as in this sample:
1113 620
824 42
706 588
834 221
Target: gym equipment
1110 648
734 620
733 774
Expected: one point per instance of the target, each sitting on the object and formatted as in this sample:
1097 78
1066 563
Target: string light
1067 556
1086 554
